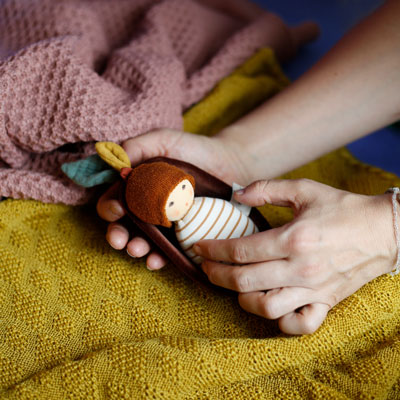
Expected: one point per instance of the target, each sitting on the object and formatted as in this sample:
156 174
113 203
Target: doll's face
179 201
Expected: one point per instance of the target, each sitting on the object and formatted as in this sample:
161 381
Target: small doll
162 194
159 193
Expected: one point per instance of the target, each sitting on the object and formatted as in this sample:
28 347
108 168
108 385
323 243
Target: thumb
279 192
149 145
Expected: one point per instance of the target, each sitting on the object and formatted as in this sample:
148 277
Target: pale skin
337 241
179 201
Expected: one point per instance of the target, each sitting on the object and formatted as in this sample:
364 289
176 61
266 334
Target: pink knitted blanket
74 72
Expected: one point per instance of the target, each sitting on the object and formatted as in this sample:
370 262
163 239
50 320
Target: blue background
335 18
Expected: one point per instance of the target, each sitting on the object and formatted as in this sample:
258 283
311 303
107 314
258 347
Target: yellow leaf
113 154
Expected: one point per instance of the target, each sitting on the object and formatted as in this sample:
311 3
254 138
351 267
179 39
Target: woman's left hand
336 243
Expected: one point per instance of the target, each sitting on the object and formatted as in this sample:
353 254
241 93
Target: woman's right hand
214 155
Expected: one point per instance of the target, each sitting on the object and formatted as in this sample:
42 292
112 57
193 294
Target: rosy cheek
176 213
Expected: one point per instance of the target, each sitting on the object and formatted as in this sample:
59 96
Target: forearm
352 91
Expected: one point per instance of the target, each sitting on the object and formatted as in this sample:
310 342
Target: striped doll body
211 218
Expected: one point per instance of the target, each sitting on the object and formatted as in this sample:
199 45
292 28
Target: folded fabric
81 320
75 72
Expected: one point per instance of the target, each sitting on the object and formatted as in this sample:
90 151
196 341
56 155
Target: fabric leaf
113 154
91 171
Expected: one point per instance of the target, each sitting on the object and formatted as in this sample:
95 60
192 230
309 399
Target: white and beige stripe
211 218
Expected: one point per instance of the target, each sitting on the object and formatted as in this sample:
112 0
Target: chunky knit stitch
73 72
79 320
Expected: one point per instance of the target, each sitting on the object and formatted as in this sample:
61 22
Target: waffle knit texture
80 320
74 72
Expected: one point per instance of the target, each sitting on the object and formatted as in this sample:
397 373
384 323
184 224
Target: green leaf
91 171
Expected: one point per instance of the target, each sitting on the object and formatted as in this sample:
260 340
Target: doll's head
159 193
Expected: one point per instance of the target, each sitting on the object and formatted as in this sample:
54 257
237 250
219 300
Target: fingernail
239 192
116 209
114 246
131 255
117 243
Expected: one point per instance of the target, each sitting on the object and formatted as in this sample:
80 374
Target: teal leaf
91 171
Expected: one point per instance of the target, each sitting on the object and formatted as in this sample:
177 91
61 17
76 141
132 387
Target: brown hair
148 187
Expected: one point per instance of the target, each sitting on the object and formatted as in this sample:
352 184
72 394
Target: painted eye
183 187
171 204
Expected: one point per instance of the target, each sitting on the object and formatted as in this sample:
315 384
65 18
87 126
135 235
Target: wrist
395 198
385 230
237 154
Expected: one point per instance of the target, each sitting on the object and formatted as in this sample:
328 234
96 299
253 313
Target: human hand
337 242
285 40
214 155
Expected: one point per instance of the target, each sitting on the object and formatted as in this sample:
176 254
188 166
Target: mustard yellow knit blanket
79 320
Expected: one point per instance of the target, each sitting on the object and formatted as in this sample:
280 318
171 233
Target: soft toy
160 193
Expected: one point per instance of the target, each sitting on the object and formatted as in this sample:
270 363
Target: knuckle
241 281
212 275
269 308
209 252
302 239
333 299
307 181
297 243
303 183
309 325
302 188
261 188
239 253
297 185
309 271
260 185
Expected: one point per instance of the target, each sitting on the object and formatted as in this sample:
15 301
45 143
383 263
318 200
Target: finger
108 206
138 247
304 321
275 303
284 192
155 261
305 32
262 246
249 278
117 236
242 9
